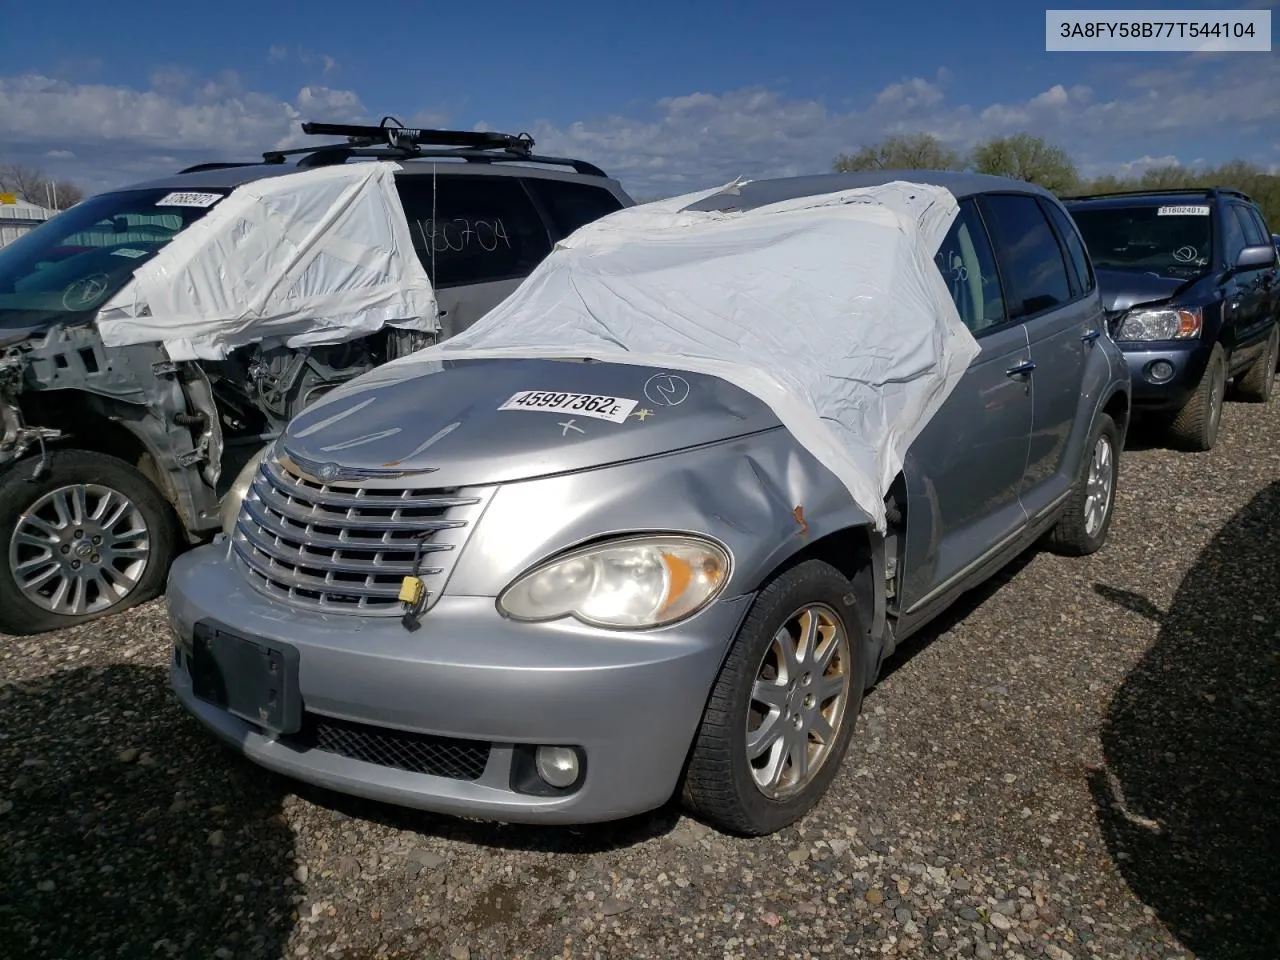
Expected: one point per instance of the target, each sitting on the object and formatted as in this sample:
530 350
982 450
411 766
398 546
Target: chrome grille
346 549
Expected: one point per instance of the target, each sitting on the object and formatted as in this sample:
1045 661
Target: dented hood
489 421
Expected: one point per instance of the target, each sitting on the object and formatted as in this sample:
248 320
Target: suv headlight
637 582
229 509
1161 323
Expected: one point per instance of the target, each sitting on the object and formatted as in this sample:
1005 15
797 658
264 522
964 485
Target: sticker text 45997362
616 409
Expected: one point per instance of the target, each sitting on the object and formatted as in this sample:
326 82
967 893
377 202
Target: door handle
1090 336
1022 369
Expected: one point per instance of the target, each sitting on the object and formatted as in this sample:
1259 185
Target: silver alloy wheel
79 549
798 701
1098 485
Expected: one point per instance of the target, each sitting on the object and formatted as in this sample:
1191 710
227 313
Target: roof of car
1153 197
229 177
961 184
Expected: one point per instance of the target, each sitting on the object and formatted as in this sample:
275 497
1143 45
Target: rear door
965 469
568 204
1050 282
477 236
1252 305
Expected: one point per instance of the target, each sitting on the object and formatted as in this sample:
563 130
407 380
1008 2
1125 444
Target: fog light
557 766
1160 371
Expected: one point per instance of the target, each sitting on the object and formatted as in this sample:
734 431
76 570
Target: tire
720 784
1083 527
1196 425
99 489
1256 384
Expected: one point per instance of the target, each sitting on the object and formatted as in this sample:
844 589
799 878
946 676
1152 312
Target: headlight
643 581
1181 323
230 507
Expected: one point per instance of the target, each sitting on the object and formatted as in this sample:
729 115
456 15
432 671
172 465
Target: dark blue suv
1189 280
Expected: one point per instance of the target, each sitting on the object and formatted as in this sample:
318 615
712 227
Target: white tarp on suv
828 308
317 256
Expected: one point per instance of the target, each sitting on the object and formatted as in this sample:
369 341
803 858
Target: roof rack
391 139
1165 191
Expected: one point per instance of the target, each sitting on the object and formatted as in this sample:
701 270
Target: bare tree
912 151
34 186
1025 157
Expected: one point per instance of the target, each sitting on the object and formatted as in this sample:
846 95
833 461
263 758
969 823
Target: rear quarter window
570 205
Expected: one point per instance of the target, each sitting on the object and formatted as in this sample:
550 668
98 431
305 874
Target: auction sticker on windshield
616 409
1193 211
189 199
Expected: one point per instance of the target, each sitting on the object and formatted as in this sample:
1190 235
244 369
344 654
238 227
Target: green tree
911 151
1026 157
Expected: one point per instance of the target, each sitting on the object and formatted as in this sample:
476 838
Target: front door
965 469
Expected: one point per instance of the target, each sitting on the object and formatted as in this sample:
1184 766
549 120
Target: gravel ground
1079 763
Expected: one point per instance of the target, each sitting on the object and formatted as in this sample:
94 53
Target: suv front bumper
1187 360
631 702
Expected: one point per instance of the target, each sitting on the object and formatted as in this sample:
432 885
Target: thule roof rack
1164 192
390 139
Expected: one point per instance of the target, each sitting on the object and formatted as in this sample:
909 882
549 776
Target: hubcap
798 701
79 549
1097 500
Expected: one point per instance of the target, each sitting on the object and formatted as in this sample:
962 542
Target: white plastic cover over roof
828 308
318 256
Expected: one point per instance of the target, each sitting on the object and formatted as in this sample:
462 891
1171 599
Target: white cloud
277 53
677 143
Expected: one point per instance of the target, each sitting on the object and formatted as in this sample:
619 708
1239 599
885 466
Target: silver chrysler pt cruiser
534 619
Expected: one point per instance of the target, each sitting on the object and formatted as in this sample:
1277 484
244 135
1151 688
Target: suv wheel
1256 383
1196 425
784 706
1084 525
92 536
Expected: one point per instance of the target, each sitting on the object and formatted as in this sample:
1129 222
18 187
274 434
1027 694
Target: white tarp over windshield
828 308
318 256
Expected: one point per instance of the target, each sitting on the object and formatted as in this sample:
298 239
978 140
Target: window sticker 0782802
616 409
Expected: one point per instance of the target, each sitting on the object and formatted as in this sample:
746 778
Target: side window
1233 236
570 205
473 229
968 267
1080 262
1253 233
1034 270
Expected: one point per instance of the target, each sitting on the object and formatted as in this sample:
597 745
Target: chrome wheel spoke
828 687
45 570
766 735
771 694
823 730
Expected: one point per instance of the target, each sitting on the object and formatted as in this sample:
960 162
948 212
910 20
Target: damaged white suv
154 337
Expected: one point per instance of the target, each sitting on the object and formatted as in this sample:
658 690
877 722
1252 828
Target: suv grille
346 549
414 752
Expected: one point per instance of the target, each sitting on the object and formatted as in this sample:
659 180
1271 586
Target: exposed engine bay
188 425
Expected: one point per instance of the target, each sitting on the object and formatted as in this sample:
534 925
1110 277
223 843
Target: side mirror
1256 257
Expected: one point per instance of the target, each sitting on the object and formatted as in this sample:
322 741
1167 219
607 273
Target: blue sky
666 95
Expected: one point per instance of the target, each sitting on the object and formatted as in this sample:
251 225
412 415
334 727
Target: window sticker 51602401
616 409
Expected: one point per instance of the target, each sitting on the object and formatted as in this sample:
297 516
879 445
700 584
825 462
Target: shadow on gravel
584 839
1189 797
124 834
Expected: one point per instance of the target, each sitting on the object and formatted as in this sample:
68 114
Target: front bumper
1188 360
630 702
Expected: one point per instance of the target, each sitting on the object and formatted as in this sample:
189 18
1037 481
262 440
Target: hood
447 420
1122 289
